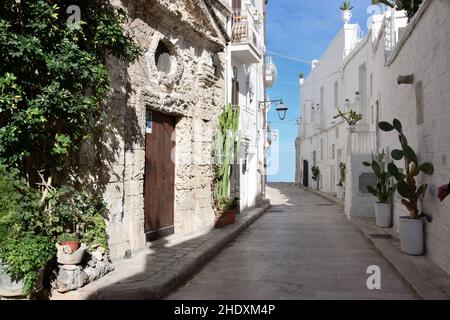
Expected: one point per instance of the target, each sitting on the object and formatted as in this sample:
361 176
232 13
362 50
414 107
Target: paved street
302 248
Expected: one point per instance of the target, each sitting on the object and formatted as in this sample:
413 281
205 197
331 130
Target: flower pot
411 236
346 16
74 245
225 218
383 214
10 288
72 258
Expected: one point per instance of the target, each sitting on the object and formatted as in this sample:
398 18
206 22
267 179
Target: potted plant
383 190
70 239
301 76
411 227
341 184
315 175
227 208
346 8
23 261
226 145
351 117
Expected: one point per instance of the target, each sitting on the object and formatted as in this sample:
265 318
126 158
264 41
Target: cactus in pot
412 192
383 190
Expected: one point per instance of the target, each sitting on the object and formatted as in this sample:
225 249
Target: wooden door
159 176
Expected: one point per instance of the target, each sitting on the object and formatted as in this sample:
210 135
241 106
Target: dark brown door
159 176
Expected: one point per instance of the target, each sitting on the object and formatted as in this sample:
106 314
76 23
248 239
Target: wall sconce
406 79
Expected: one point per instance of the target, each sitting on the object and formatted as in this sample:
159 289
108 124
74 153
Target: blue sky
302 29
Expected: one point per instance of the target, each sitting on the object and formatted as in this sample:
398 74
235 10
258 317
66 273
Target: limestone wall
193 92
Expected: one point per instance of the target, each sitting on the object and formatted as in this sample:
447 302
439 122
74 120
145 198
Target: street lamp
281 109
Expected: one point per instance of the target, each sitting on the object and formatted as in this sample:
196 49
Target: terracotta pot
72 244
225 218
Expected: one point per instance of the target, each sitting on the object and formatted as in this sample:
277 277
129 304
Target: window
332 151
163 58
337 132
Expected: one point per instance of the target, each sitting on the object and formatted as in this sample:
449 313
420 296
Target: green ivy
53 78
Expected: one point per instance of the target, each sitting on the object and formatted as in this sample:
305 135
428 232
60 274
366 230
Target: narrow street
302 248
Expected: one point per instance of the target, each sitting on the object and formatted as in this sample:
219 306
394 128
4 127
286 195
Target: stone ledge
156 279
426 278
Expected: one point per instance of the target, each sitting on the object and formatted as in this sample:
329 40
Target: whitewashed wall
423 49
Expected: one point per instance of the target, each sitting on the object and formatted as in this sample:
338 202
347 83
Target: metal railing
245 29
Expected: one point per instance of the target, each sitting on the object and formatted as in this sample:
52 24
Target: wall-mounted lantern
281 109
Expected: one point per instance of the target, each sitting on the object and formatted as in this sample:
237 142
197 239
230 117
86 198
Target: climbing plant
54 79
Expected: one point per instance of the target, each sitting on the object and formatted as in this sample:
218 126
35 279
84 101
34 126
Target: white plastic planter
411 236
346 16
383 214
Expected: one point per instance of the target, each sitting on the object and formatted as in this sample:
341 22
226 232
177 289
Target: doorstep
423 275
164 264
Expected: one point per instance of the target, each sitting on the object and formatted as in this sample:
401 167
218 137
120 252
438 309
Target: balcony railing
363 142
246 31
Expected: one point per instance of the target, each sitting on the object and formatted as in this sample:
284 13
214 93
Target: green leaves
385 126
403 189
406 184
397 125
53 79
397 154
427 168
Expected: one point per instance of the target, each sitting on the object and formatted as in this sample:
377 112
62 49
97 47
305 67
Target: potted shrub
351 117
315 175
411 227
70 239
383 190
23 261
227 208
341 184
346 8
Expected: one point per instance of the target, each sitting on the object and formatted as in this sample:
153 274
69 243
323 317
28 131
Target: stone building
153 161
360 73
162 111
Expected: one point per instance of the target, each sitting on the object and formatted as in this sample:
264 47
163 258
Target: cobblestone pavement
302 248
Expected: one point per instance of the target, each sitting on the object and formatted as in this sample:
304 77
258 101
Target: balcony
246 44
271 72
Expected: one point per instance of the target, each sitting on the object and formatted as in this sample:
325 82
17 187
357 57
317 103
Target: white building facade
360 73
249 73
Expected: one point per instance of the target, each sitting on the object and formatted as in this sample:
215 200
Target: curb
422 285
155 288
